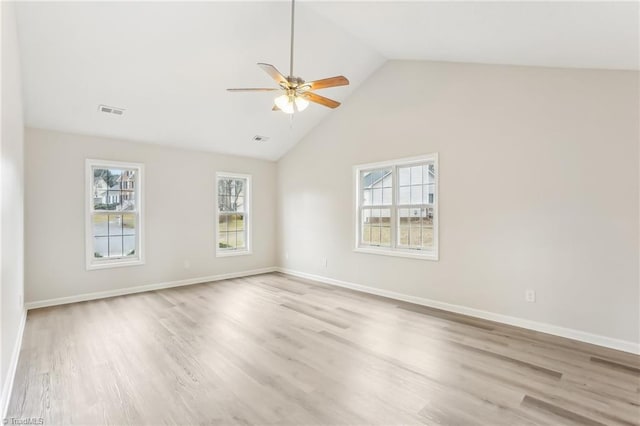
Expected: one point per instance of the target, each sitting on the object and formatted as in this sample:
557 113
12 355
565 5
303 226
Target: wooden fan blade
259 89
320 100
274 73
275 108
327 82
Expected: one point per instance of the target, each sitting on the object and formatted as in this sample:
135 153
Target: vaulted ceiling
168 64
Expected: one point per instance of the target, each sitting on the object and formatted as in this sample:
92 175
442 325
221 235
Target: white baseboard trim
13 366
143 288
569 333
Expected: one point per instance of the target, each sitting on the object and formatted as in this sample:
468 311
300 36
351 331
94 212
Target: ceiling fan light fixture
301 103
286 103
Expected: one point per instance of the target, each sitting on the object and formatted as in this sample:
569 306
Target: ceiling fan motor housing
295 81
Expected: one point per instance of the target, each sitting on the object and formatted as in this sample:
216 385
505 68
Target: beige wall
11 201
538 190
179 214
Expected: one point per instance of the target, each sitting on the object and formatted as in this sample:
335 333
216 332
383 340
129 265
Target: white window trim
248 211
392 251
91 262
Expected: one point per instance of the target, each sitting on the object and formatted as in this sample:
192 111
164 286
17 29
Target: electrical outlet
187 264
324 262
286 255
530 296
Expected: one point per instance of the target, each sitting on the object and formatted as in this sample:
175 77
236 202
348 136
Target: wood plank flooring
273 349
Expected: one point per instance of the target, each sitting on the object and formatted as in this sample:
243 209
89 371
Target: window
233 194
396 207
114 214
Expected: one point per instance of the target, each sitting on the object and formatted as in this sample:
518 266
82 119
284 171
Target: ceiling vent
110 110
258 138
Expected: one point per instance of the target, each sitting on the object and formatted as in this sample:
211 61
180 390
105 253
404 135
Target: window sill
426 255
231 253
114 264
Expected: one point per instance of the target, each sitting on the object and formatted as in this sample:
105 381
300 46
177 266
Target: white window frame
248 220
394 250
91 262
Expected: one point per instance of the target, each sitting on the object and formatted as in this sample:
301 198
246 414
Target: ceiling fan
297 92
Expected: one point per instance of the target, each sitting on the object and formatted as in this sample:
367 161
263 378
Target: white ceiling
574 34
168 64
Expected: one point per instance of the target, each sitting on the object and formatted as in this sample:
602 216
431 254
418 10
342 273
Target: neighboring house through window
114 214
233 197
396 207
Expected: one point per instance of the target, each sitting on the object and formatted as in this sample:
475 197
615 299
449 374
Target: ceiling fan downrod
293 12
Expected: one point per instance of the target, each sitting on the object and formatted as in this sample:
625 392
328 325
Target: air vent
110 110
259 138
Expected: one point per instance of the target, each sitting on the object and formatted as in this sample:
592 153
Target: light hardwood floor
273 349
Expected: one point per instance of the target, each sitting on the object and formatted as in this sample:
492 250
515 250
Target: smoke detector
110 110
258 138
